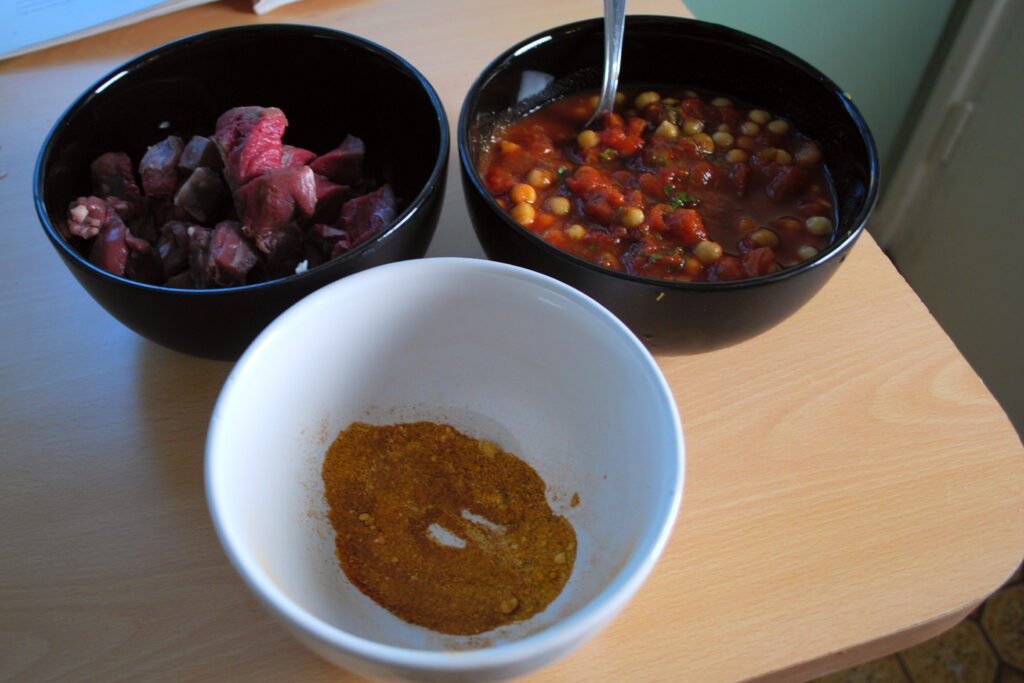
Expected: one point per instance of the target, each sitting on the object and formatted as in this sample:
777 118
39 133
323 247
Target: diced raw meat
295 156
112 176
365 216
328 240
159 167
230 256
173 248
284 251
202 195
343 164
88 215
330 197
199 255
110 250
200 152
143 261
182 280
273 200
249 140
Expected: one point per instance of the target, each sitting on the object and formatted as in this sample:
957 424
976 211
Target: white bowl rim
558 637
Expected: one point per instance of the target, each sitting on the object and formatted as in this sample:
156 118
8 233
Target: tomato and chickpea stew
684 188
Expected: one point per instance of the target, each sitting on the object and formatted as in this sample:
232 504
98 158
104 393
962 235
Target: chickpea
575 232
523 213
721 102
746 224
806 252
778 126
558 205
788 223
807 155
631 216
783 158
759 116
692 267
705 142
693 126
521 192
723 139
724 127
736 156
667 129
540 178
818 225
645 98
620 98
763 237
707 251
587 139
750 128
745 142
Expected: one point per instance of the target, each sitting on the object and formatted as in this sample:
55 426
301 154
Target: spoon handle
614 27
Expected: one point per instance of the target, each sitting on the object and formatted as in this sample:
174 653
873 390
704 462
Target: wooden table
852 487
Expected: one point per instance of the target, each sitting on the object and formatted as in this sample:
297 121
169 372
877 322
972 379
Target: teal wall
876 50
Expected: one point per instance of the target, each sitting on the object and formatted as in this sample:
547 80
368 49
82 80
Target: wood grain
852 487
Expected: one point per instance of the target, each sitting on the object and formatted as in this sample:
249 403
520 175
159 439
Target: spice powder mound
443 530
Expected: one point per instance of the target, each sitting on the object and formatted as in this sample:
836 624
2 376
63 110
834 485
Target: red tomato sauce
674 186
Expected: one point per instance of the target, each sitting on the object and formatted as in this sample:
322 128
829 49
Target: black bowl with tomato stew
694 246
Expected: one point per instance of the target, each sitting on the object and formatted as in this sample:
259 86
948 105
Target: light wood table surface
852 487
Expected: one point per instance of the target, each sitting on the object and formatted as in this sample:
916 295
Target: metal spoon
614 27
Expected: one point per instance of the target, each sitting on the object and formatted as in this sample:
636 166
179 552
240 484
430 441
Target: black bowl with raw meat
330 85
672 316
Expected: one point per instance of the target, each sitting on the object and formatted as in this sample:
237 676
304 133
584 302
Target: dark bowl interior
674 317
327 82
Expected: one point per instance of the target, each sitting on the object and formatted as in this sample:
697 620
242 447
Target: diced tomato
499 180
738 174
687 226
725 269
758 261
787 183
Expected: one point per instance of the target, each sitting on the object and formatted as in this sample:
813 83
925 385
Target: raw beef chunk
329 242
230 256
202 196
200 152
143 261
88 215
344 164
199 255
365 216
330 197
249 140
273 200
173 248
159 167
118 252
109 250
112 176
295 156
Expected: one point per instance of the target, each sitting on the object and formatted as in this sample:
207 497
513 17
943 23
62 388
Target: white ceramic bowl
501 353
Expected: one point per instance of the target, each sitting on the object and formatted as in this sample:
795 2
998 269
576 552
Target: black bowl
674 317
327 82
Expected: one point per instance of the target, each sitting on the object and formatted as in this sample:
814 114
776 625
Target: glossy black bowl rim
725 34
437 174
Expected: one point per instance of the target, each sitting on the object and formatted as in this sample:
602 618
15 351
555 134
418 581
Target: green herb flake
609 154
